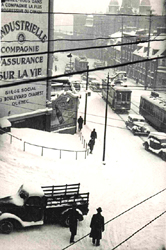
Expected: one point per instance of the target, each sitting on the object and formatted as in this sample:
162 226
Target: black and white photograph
83 125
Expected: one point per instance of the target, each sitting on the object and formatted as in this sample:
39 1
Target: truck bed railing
61 190
68 200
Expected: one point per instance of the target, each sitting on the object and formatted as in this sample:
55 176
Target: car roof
136 116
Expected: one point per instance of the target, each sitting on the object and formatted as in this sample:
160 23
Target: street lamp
70 56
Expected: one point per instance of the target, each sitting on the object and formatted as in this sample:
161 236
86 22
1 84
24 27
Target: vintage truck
33 205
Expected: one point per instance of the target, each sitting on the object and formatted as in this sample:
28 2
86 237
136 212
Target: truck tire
6 227
65 220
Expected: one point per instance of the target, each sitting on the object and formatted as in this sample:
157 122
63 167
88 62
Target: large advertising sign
24 38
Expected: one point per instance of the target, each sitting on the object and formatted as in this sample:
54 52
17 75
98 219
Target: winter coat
97 226
93 135
91 144
80 122
73 218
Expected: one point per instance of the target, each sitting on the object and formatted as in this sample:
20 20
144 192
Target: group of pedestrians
96 225
97 221
93 134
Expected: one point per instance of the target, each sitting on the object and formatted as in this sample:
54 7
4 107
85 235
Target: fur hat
99 209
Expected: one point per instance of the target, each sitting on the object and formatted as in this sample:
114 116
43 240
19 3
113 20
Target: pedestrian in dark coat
91 144
73 218
93 134
80 122
97 227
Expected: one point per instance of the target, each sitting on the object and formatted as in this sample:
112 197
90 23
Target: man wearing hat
97 227
74 216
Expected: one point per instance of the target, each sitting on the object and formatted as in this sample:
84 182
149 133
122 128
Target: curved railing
76 152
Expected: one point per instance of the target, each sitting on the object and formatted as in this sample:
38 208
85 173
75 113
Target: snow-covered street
130 176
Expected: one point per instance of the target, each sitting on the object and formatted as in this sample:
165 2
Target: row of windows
153 110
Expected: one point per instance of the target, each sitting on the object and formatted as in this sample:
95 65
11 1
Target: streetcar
119 97
153 109
81 63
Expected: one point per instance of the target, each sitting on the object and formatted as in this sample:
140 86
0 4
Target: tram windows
119 97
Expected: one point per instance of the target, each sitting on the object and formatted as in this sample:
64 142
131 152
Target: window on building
163 62
163 82
154 51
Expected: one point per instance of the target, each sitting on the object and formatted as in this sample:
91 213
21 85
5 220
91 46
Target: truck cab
33 205
25 208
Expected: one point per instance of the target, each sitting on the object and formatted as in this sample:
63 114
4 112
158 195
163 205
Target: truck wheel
65 220
146 146
6 226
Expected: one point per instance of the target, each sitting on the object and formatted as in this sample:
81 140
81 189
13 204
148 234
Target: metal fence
43 148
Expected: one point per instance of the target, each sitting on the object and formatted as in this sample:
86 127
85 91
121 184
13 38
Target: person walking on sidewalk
80 122
91 144
97 227
93 134
73 218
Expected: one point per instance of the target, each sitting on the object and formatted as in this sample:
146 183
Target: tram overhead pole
105 127
86 94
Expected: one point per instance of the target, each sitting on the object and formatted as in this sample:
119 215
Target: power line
79 72
81 48
139 230
122 214
82 13
73 40
82 39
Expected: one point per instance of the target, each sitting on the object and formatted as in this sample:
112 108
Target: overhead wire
82 13
82 48
79 72
74 39
83 39
157 217
123 214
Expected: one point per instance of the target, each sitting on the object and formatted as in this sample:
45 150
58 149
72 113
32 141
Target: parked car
137 125
156 142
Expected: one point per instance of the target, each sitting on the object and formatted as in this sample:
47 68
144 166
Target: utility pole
70 56
105 127
122 41
86 95
147 63
50 48
155 74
